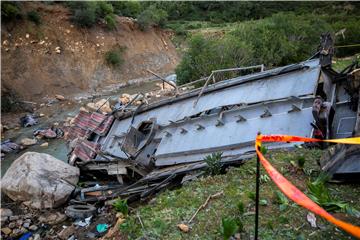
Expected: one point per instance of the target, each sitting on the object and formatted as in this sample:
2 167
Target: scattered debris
8 146
205 204
52 132
310 217
28 120
80 211
102 227
83 223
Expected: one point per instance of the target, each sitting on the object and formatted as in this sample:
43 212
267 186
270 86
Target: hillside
56 57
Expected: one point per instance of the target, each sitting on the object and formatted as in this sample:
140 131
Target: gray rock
27 220
39 180
33 228
52 218
13 218
5 212
12 225
26 225
36 236
19 222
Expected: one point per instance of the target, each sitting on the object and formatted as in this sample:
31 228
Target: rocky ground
58 111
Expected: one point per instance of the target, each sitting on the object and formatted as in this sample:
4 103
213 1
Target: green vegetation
34 17
228 227
161 216
114 57
121 206
152 16
10 11
213 162
320 194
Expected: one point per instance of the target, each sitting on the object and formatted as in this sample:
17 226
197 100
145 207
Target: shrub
110 21
229 227
207 54
34 17
104 9
213 162
152 16
84 13
9 11
127 8
121 206
114 57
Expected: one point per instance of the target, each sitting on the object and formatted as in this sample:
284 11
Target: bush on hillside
10 11
279 40
34 17
152 16
84 13
110 21
207 54
114 58
127 8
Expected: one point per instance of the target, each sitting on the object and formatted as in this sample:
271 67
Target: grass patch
340 63
279 218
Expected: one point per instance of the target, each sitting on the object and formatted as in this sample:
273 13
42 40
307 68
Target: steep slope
57 57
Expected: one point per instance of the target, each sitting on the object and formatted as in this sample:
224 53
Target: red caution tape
293 192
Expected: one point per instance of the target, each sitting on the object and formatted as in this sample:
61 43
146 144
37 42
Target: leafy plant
115 57
251 195
152 16
110 21
121 205
213 162
263 149
34 17
301 161
9 11
282 200
264 178
241 207
263 202
320 194
229 227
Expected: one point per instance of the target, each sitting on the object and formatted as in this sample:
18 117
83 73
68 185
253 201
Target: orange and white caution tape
293 192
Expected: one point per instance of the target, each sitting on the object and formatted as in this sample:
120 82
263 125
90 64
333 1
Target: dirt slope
32 68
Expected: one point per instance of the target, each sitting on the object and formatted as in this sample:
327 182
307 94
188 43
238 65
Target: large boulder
39 180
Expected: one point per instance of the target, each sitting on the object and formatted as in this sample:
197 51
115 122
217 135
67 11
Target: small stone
52 218
19 222
27 220
33 228
6 230
15 233
183 227
67 232
59 97
36 236
58 50
13 218
5 212
27 35
41 42
26 225
45 144
12 225
41 115
28 141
